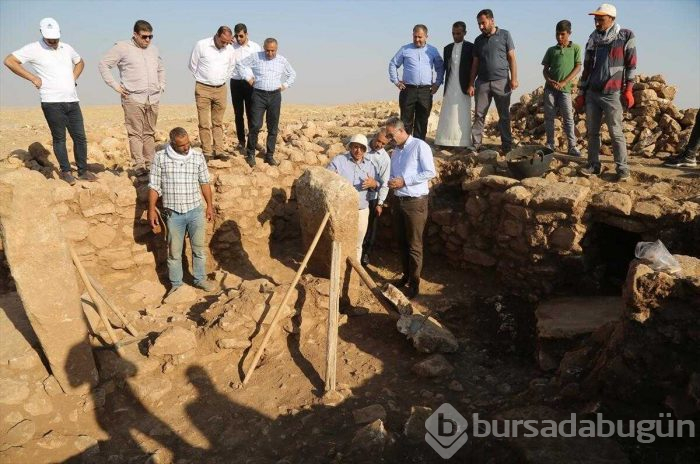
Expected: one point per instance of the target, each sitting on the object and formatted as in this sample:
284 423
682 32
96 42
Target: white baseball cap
605 9
49 28
359 139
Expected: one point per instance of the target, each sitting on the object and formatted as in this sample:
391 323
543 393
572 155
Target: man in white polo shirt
211 64
57 66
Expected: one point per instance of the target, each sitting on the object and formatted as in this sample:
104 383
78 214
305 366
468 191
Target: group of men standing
487 70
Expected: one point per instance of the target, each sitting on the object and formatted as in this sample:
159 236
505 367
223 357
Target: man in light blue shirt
354 167
269 74
379 157
412 167
418 84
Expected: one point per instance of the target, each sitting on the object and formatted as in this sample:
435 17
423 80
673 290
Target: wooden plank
333 308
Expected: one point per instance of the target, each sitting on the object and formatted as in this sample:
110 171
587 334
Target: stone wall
530 232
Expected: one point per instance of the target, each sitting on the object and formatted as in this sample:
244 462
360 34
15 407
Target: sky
341 49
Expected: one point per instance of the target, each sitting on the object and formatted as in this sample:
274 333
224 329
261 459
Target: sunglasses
240 36
149 37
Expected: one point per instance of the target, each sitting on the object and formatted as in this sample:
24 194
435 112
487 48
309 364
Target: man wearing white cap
606 84
57 66
362 174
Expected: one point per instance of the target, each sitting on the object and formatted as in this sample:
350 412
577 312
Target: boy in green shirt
562 63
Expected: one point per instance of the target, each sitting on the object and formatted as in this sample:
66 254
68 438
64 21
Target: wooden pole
93 297
333 306
259 353
100 291
372 285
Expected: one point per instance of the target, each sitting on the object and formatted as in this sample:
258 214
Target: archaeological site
537 303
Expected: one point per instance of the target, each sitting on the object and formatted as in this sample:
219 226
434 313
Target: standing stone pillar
318 191
44 274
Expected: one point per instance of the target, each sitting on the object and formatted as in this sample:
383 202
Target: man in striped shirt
178 175
606 83
269 74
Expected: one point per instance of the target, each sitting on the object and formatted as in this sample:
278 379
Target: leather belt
403 199
411 86
212 86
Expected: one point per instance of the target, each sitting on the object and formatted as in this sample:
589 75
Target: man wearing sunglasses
142 79
57 67
241 90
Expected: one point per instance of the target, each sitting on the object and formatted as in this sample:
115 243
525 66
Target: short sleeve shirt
54 68
492 52
561 61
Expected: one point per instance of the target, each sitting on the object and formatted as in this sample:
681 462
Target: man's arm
105 66
206 193
426 167
16 67
570 76
472 75
439 66
394 64
290 75
384 175
152 214
161 74
513 65
194 59
243 68
78 69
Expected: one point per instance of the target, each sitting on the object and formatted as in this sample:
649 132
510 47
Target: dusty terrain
193 408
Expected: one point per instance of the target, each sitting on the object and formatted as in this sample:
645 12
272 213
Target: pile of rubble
653 126
651 354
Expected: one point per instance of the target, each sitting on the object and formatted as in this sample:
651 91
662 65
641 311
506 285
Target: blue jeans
62 116
557 100
600 104
194 224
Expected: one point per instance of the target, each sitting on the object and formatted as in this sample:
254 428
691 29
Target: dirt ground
281 415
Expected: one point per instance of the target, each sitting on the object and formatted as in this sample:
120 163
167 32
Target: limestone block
319 190
101 235
559 196
96 201
34 246
75 229
612 202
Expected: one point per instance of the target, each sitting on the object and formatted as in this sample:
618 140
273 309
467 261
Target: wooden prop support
93 297
372 285
261 348
100 291
333 307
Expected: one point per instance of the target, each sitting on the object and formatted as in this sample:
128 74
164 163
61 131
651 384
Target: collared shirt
269 74
54 68
492 52
240 53
413 162
560 61
418 65
140 70
178 178
380 159
355 173
211 65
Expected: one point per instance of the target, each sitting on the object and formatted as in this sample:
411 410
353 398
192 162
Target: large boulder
36 248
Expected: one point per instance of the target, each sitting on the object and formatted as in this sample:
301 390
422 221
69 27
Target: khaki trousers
140 120
362 221
211 105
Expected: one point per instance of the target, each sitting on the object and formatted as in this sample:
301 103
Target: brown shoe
68 177
88 176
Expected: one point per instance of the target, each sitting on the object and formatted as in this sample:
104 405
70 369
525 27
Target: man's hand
36 80
470 90
400 85
378 210
369 183
209 213
580 103
628 97
396 183
153 218
123 91
433 88
251 81
514 84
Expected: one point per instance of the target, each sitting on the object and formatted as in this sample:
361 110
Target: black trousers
62 116
409 215
415 104
241 98
371 234
268 104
